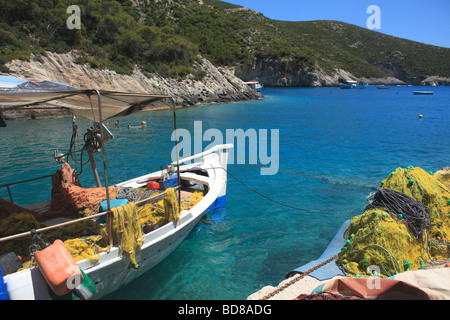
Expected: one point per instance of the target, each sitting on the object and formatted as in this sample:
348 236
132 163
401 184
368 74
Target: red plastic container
58 268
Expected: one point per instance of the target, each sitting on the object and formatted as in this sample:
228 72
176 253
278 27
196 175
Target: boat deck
44 206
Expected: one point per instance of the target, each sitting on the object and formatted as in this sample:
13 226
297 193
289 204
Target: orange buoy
58 268
152 185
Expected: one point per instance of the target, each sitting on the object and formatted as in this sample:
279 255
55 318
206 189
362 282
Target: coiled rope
404 207
128 193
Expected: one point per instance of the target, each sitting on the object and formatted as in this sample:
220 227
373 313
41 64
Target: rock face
218 85
399 74
435 80
272 73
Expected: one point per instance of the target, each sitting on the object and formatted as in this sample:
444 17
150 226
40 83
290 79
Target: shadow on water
209 220
343 183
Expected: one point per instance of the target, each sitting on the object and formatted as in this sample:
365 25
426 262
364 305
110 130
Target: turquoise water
335 146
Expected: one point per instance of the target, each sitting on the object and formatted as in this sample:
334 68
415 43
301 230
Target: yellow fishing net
443 176
171 208
381 239
87 239
126 230
81 247
14 224
86 248
159 213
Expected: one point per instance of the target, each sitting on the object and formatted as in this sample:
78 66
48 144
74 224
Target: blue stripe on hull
220 202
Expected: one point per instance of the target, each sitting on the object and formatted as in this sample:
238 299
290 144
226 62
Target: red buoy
152 185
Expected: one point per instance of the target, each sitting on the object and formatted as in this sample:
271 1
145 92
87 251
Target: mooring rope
296 279
276 201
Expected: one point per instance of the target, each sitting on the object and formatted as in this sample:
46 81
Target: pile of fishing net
87 239
444 176
405 226
155 213
9 208
130 222
84 236
325 296
68 199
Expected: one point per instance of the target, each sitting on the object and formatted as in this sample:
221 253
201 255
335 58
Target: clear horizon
427 22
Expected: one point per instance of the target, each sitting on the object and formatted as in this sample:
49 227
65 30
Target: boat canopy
350 82
16 93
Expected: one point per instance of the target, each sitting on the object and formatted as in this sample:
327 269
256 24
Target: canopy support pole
178 156
94 169
105 168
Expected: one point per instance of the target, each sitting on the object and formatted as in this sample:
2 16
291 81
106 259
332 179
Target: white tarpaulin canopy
16 92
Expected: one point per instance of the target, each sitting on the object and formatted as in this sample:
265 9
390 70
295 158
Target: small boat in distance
254 84
383 87
423 92
350 84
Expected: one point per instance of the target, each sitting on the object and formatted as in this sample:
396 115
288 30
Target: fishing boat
255 85
423 92
350 84
204 174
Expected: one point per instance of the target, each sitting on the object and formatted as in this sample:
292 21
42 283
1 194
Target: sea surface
335 147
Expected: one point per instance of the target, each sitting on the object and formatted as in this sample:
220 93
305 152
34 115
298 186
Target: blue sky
423 21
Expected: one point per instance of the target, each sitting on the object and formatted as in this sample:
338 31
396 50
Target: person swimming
143 124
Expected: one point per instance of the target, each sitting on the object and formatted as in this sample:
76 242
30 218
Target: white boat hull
112 271
423 92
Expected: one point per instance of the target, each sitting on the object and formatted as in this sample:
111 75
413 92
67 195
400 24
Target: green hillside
166 36
357 49
333 44
113 35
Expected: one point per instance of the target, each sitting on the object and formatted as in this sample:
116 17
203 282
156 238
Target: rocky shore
218 85
273 73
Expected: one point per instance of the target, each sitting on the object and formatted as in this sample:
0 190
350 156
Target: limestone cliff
272 73
218 85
